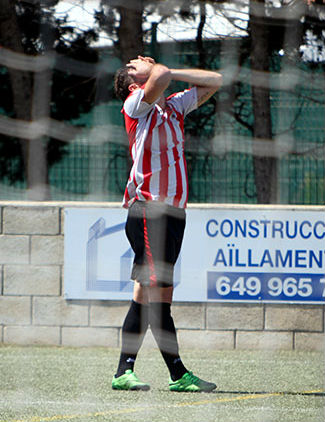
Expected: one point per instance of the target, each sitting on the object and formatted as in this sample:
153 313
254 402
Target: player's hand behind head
140 68
147 59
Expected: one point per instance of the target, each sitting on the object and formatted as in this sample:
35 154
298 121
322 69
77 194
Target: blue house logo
122 283
95 233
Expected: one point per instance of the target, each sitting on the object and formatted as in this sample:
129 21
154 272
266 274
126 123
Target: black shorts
155 232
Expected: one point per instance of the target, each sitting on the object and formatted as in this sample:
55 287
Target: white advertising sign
227 255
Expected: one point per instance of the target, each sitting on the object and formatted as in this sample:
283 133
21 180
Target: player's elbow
158 81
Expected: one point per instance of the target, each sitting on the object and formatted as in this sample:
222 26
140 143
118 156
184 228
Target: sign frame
257 255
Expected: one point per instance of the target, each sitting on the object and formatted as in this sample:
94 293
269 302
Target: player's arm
157 82
206 81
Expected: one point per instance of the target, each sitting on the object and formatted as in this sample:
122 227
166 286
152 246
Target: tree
31 29
272 29
21 82
127 29
262 127
264 167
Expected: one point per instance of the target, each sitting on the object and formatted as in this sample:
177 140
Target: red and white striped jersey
156 141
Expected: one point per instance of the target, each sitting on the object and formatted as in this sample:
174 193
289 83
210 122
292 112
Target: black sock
163 329
133 331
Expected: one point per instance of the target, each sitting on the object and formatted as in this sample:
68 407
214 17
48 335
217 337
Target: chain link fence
95 163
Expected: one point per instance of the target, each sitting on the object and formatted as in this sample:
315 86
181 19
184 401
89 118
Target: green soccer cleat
189 383
129 381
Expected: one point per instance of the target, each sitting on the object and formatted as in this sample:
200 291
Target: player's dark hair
122 81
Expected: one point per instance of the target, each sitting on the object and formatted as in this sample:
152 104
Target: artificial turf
39 384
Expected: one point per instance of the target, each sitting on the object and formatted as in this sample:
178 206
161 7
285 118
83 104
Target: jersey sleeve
134 105
184 101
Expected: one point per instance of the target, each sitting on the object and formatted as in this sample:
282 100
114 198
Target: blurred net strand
286 79
278 147
28 63
221 144
42 125
58 130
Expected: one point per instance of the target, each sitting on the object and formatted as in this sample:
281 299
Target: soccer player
156 196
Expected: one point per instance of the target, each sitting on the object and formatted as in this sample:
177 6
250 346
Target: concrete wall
33 310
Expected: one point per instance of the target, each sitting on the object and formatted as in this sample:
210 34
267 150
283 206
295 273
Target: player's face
139 69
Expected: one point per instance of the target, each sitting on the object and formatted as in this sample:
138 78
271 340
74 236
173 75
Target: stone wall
34 311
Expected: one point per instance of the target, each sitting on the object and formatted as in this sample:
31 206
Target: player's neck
162 102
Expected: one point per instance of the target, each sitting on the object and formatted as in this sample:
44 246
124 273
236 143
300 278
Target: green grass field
43 384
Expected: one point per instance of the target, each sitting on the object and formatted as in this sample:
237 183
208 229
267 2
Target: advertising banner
228 255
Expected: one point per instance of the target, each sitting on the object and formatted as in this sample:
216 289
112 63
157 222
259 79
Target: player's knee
160 294
140 293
